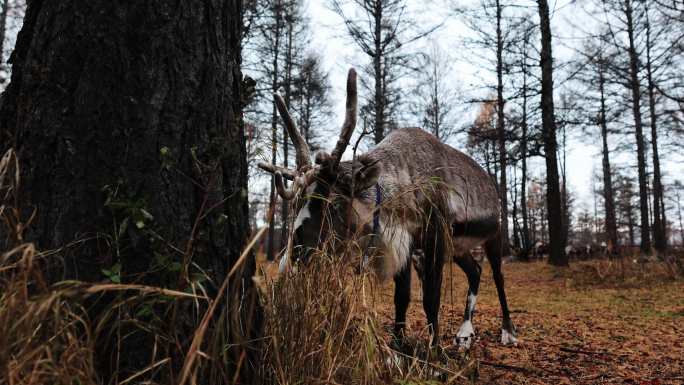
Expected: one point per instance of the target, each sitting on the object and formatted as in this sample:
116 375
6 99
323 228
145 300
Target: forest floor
594 323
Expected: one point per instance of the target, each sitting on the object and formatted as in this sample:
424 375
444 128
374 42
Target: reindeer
410 192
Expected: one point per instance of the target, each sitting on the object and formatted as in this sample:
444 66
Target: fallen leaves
626 328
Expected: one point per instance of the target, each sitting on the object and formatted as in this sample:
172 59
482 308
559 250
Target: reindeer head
327 194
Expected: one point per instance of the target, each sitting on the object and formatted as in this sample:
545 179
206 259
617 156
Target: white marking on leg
284 263
465 332
303 214
472 300
507 338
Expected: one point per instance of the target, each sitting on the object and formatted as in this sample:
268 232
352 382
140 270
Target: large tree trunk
641 148
659 220
501 133
608 196
554 213
130 112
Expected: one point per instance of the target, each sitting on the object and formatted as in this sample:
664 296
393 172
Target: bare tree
275 55
312 99
522 52
678 189
495 44
626 206
592 110
557 255
659 220
434 100
381 29
625 10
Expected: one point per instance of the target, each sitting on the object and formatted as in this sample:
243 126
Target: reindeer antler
305 174
302 149
349 120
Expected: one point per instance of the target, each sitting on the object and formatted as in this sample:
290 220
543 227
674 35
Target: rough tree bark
635 87
131 110
553 199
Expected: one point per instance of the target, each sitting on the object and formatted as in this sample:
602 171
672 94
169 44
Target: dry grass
45 337
319 325
597 322
322 328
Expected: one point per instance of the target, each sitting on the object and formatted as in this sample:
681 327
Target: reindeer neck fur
421 175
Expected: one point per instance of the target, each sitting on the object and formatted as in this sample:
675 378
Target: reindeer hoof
465 335
508 338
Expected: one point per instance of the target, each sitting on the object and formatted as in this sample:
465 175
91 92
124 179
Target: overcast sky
330 41
583 151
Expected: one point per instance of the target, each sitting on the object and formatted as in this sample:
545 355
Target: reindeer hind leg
493 248
473 270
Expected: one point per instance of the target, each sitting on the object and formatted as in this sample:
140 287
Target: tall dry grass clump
44 337
321 328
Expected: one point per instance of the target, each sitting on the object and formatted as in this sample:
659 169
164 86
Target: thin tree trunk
501 133
379 96
641 150
270 253
288 95
630 226
681 222
608 198
564 192
659 220
514 214
557 255
3 30
523 153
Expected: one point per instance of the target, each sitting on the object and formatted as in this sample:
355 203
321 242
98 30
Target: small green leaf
175 266
145 311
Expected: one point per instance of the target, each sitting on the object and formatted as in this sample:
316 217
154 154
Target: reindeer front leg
402 298
433 249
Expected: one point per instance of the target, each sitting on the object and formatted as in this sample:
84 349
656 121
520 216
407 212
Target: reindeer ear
323 159
367 175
